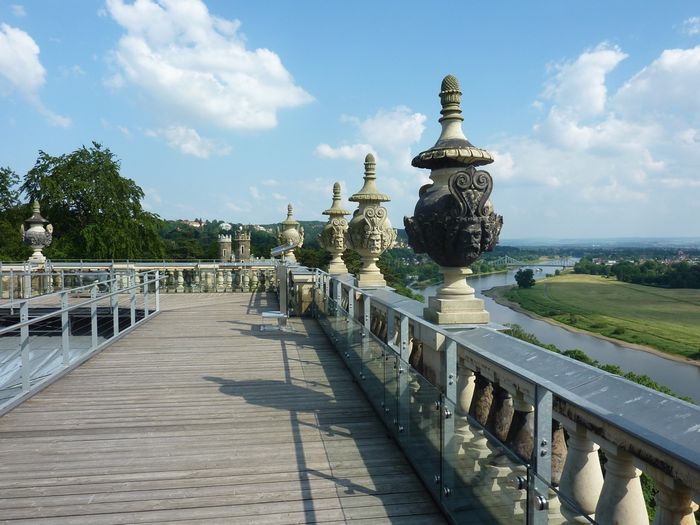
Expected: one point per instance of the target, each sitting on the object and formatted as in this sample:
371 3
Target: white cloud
21 69
197 65
578 87
233 206
255 192
669 85
189 142
610 156
389 134
18 10
691 26
73 71
269 182
279 196
346 152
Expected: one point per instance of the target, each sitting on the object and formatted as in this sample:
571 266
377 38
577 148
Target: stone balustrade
601 431
22 281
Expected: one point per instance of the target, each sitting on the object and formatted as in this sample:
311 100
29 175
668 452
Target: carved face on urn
374 242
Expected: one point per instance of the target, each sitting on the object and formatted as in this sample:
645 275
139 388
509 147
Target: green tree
9 193
524 278
96 213
12 214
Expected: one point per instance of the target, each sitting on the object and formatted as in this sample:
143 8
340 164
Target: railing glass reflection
473 476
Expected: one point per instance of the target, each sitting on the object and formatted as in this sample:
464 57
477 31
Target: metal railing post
157 290
132 300
351 303
114 303
403 394
449 443
65 329
93 316
145 294
367 316
24 344
540 479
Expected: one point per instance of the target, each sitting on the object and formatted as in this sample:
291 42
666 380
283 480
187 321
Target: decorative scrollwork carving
454 223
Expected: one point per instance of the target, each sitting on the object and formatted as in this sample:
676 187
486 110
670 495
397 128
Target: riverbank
498 294
422 285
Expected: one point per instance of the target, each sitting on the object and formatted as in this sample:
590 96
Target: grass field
665 319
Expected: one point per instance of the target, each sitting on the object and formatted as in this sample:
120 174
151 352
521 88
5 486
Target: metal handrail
83 304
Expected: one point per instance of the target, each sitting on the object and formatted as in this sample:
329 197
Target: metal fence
44 337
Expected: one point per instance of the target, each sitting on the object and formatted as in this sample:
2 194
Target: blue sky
229 110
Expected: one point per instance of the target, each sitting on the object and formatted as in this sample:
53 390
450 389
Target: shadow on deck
200 417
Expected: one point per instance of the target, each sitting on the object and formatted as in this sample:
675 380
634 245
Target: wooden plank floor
198 417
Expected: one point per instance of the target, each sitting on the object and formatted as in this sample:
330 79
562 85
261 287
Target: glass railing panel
489 480
483 481
392 379
420 421
560 508
373 354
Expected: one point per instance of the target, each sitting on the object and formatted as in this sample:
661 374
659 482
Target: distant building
241 244
197 223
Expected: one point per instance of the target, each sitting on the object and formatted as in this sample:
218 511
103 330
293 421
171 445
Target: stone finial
332 237
452 147
369 231
291 233
369 191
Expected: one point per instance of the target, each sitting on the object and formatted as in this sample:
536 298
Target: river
680 377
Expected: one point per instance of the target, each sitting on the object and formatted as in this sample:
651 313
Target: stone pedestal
455 302
370 276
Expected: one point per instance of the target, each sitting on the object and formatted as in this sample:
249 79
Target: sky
229 110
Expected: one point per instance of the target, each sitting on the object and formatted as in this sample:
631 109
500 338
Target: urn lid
369 192
290 221
452 148
36 217
336 208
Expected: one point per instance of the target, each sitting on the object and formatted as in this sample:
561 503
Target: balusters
621 499
674 504
582 476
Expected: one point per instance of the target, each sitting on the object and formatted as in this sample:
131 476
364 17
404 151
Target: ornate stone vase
454 221
369 231
38 234
332 237
290 232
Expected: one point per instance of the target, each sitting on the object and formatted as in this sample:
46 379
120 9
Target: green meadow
665 319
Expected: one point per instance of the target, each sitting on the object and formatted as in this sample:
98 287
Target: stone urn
454 221
38 234
290 232
332 237
369 231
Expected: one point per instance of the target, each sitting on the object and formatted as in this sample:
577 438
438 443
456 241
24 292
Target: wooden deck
198 417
